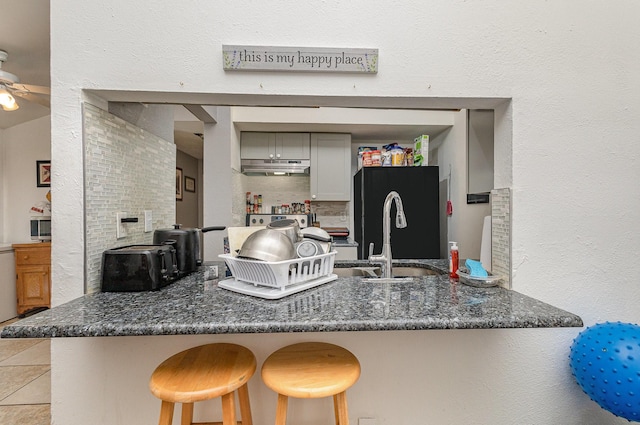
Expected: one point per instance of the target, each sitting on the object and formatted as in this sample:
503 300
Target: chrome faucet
401 222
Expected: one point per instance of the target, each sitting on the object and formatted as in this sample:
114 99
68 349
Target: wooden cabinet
330 167
33 276
258 145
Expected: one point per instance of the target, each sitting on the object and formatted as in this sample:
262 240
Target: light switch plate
148 221
121 230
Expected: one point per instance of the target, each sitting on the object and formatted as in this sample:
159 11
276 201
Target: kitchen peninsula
108 377
195 305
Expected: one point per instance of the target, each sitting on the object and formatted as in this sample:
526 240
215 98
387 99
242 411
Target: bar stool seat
311 370
202 373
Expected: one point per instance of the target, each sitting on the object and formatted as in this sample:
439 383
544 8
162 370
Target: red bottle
453 260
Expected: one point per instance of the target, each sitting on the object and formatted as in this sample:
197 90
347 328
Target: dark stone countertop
195 305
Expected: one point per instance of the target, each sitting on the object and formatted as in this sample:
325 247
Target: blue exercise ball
605 360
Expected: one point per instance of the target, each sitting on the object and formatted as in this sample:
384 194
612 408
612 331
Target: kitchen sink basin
374 272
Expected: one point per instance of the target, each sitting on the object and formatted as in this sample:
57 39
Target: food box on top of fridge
364 156
421 150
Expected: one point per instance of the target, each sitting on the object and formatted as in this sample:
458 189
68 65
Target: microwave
41 228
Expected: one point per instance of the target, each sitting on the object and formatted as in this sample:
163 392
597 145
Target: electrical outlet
148 221
367 421
121 230
211 272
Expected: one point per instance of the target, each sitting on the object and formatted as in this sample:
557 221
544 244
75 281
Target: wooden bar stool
311 370
202 373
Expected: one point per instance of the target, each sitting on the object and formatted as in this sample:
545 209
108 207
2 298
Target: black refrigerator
419 189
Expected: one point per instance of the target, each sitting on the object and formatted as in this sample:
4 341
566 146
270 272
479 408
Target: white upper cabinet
330 167
293 145
259 145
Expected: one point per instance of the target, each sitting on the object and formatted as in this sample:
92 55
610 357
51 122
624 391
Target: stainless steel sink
375 272
413 271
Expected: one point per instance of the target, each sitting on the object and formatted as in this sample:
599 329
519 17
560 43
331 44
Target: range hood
274 167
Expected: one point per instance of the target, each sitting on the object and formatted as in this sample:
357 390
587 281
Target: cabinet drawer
33 256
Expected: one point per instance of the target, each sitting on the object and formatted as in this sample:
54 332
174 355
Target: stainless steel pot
290 227
308 248
318 235
187 243
267 245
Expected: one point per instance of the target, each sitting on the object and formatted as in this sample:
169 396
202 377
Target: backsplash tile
276 190
238 201
332 213
126 169
501 233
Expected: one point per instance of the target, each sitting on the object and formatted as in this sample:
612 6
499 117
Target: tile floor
25 381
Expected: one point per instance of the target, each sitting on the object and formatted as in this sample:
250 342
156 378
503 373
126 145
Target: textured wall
564 76
127 169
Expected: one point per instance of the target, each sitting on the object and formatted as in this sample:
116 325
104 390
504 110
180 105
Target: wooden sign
299 59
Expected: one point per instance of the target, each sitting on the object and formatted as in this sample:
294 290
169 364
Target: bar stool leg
281 410
166 413
229 409
187 414
245 405
340 407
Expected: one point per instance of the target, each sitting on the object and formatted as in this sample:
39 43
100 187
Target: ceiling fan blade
33 98
30 88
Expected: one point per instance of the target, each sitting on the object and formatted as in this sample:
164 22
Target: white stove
263 219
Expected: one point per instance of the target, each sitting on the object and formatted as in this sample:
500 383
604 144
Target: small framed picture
178 184
43 173
189 184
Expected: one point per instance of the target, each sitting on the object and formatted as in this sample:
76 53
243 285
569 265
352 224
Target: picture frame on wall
189 184
43 173
178 184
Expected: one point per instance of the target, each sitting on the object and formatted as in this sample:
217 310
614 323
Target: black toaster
138 268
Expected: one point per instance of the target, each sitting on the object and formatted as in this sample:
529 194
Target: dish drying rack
275 279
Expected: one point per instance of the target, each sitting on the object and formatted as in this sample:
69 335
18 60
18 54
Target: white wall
3 183
217 158
480 151
188 210
571 89
464 226
411 378
23 145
